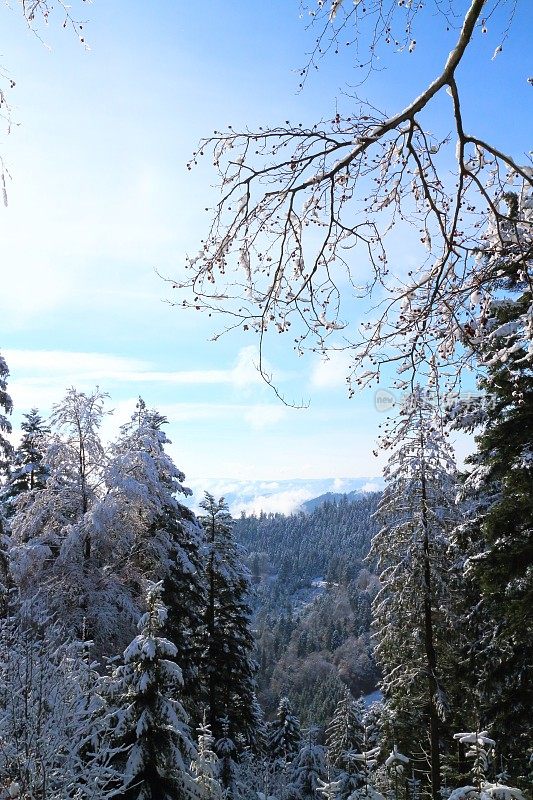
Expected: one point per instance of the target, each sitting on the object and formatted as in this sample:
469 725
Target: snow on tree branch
303 225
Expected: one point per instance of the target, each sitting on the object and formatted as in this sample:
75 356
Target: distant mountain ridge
282 496
335 497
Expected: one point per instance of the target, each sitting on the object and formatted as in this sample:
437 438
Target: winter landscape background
266 400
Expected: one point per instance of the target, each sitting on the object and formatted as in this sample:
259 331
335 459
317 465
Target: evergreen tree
205 766
493 547
29 470
228 668
6 406
410 550
308 769
152 535
345 740
227 752
284 733
346 732
150 720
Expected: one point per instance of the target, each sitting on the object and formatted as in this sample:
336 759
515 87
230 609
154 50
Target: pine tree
205 766
494 544
345 740
228 669
346 732
308 769
284 733
153 535
29 470
417 509
150 720
6 404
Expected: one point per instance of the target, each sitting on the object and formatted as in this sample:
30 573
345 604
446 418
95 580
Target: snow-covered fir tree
150 721
151 534
6 407
485 785
411 630
307 769
205 766
284 734
345 740
346 731
493 547
28 470
228 753
228 667
494 544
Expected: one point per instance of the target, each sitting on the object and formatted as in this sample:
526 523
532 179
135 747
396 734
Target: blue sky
100 200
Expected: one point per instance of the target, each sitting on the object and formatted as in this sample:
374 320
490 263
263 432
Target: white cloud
265 416
331 371
370 487
72 367
285 502
341 485
61 362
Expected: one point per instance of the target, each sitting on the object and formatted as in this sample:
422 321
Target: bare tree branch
301 207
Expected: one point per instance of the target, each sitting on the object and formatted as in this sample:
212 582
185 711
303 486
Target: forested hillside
313 597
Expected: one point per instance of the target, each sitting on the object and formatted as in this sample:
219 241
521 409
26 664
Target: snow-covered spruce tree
228 753
346 739
52 743
284 734
150 534
410 627
205 766
28 470
150 721
307 769
228 668
346 731
356 784
480 750
494 545
6 407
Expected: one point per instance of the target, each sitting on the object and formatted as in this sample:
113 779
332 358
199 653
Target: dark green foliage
496 541
312 634
345 733
332 540
284 733
227 666
150 721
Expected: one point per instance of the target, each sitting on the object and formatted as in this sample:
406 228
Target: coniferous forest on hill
376 647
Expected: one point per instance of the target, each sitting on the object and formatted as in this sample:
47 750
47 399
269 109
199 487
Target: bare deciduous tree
303 208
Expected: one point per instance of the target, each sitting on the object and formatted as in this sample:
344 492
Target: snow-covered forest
375 647
131 661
